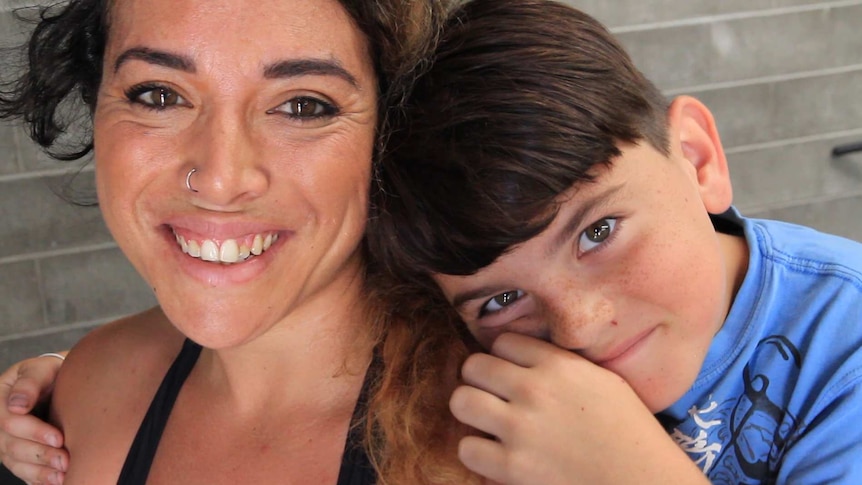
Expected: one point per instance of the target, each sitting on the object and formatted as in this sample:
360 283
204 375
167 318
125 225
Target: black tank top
355 466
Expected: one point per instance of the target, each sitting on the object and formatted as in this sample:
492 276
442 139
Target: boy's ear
693 136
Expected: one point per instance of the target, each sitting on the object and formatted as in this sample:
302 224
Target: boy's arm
559 419
29 447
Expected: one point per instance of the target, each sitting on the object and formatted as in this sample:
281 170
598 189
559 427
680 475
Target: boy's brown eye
596 234
504 299
500 301
599 231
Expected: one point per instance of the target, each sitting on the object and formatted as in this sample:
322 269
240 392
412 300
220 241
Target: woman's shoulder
137 342
108 380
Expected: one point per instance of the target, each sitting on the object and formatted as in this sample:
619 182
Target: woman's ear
694 137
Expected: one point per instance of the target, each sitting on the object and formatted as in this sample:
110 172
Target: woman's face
273 103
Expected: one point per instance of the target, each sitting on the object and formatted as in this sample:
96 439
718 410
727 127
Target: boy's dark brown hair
523 99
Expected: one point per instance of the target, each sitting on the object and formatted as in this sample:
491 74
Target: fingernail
54 441
57 463
55 479
18 401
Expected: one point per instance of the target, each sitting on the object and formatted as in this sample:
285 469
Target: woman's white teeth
230 251
209 251
257 245
194 249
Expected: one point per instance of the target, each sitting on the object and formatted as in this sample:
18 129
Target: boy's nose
576 318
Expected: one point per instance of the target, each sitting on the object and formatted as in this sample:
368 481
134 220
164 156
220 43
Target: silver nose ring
189 179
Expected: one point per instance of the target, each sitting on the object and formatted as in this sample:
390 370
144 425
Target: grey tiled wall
782 77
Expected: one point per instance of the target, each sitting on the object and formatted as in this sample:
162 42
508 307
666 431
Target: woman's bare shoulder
134 342
110 376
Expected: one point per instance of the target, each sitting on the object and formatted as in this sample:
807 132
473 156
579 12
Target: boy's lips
623 349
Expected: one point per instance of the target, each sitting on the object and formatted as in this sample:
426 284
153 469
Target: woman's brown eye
306 108
164 97
155 97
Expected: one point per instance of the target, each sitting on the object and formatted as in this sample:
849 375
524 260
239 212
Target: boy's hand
29 447
559 419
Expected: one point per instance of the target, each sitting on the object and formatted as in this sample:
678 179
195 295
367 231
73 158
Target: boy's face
631 275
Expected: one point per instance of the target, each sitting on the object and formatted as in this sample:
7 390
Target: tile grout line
778 78
91 248
793 141
50 172
727 17
846 194
42 332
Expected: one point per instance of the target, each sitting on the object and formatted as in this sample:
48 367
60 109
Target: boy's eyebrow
462 299
276 70
576 220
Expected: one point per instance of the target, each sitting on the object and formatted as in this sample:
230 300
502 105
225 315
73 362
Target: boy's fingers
23 385
33 453
492 374
479 409
524 350
32 474
28 428
483 456
21 396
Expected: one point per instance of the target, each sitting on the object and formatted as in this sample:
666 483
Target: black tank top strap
355 468
143 449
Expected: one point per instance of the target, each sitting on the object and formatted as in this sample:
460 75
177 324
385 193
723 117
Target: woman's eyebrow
281 69
308 67
157 57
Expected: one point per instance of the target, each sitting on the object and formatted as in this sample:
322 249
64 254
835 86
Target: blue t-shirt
779 396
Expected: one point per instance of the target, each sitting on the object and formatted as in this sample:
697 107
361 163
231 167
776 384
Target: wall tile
12 31
8 150
92 286
837 216
33 158
634 12
748 48
20 298
795 108
780 176
12 351
36 219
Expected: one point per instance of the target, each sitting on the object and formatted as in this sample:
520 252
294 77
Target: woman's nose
224 167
